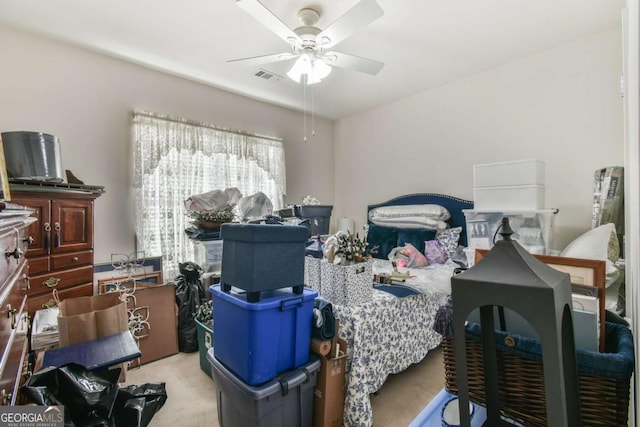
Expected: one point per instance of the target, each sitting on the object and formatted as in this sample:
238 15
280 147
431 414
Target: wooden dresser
61 251
14 286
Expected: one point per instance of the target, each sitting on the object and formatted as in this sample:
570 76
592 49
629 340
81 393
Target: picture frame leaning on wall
586 275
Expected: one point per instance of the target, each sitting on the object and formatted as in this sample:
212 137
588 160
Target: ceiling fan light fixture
320 68
314 68
300 67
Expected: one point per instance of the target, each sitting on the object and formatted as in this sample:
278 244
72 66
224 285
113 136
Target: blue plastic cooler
257 341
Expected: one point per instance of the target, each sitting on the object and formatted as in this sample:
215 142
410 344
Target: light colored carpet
191 400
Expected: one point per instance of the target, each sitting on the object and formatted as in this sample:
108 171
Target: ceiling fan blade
352 62
353 20
268 19
265 59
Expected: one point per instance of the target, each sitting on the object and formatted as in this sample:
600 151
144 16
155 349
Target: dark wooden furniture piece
14 285
61 251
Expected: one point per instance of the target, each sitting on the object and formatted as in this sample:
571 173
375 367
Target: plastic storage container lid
264 233
314 210
268 299
289 379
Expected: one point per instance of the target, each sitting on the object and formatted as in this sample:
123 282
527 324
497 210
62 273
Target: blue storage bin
261 257
257 341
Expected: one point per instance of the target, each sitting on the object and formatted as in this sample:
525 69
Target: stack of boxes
516 190
262 316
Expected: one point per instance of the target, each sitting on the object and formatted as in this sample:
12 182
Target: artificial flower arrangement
309 200
213 208
344 248
225 214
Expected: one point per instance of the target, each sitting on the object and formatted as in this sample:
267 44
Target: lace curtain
176 158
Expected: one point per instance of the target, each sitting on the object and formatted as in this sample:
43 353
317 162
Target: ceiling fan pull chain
304 106
313 111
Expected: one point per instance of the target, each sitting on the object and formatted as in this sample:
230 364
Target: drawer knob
25 280
16 253
75 259
28 239
51 282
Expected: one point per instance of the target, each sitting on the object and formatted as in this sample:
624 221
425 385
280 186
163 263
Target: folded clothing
324 321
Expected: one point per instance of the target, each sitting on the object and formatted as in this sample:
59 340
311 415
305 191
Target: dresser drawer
45 283
13 295
77 259
12 376
42 301
38 265
11 253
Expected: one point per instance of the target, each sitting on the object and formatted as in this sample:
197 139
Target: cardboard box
328 400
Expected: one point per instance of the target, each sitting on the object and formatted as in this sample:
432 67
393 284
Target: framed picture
588 277
134 265
5 194
112 283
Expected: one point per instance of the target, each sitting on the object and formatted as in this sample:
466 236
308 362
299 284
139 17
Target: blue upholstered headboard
388 238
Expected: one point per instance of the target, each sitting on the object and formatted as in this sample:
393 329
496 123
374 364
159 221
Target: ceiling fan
310 44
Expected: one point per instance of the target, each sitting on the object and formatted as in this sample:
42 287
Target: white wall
561 106
86 100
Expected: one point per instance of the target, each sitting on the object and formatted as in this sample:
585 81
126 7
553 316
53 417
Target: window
176 158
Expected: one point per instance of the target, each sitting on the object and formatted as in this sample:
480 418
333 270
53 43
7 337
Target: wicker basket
604 377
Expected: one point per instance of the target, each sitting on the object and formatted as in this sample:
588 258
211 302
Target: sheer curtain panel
175 158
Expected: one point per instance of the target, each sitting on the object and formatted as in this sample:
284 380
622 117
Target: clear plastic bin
533 229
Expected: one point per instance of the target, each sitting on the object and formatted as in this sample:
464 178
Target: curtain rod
203 124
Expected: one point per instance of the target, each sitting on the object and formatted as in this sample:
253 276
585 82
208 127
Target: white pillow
413 222
597 243
429 210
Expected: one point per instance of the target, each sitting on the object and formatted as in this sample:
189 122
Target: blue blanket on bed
397 290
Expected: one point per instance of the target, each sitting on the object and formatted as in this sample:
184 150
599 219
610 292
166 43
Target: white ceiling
424 43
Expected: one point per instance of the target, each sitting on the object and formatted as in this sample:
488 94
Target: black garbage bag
189 297
136 405
87 396
93 399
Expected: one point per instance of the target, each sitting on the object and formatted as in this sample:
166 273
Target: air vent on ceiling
267 75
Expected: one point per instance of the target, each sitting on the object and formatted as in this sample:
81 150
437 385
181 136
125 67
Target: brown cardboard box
328 400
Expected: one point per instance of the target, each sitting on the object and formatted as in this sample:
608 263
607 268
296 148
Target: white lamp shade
320 69
301 66
346 225
314 68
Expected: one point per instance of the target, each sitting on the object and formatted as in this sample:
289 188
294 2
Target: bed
394 330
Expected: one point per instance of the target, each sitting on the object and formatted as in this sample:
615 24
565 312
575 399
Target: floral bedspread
385 336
